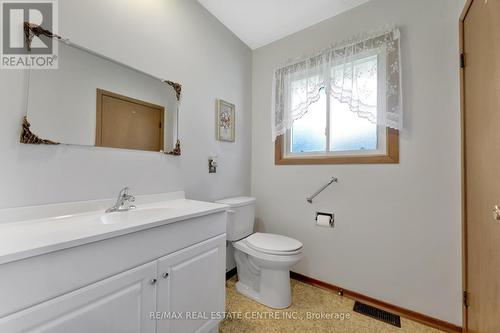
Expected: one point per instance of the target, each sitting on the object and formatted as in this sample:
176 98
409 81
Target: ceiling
260 22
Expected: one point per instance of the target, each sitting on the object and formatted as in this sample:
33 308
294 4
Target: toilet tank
240 217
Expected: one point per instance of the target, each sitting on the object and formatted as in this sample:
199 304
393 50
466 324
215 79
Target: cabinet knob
164 275
153 281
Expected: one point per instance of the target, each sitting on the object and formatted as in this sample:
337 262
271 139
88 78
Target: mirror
91 100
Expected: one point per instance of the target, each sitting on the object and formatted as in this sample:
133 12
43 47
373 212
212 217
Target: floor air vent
378 314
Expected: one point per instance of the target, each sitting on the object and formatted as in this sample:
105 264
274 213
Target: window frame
391 154
387 150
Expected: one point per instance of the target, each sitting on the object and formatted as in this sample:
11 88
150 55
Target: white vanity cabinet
165 276
121 303
189 285
180 293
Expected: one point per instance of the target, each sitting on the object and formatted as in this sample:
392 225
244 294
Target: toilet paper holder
330 216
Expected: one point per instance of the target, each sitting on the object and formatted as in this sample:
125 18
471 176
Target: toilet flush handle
230 211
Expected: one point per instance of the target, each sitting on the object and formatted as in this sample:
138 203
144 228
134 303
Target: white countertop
27 238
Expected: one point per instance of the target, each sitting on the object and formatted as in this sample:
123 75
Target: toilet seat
273 244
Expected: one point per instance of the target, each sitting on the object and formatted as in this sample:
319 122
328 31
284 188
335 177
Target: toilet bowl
264 272
263 260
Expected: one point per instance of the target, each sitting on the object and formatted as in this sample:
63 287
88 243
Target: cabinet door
193 289
120 304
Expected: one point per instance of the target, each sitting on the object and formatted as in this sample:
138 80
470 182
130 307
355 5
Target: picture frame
225 121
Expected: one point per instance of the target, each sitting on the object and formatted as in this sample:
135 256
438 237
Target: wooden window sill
391 157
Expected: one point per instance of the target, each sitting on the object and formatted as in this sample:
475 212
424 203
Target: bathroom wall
173 39
397 231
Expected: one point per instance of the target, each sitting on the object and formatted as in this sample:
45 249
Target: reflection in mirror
125 122
92 100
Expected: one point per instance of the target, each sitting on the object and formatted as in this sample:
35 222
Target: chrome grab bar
333 180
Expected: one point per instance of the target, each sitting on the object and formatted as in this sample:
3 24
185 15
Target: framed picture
225 121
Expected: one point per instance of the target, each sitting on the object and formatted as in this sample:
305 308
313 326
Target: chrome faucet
123 203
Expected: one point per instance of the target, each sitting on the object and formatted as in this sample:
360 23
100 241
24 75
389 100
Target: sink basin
136 215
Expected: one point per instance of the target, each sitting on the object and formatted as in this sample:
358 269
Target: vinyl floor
314 310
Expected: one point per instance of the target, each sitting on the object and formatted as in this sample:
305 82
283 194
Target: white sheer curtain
348 73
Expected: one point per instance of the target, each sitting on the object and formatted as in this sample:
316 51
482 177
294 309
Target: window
308 134
330 132
333 130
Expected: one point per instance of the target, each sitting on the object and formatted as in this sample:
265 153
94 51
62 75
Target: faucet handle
123 201
124 194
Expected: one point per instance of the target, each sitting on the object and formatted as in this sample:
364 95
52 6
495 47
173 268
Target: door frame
465 11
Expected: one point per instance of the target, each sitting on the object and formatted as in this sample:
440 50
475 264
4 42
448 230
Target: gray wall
397 234
173 39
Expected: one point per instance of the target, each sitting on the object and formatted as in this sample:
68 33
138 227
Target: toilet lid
272 243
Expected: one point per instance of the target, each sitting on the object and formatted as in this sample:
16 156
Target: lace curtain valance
364 73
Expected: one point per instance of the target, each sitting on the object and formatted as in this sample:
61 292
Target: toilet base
247 291
284 301
270 287
263 277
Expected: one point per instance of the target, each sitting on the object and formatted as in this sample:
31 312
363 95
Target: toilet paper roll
323 221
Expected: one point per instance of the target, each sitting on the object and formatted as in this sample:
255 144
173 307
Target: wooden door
192 283
120 304
480 27
124 122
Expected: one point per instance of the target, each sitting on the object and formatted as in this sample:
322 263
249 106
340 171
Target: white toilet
263 260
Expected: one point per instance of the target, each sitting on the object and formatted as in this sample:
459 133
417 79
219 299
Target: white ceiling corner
260 22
